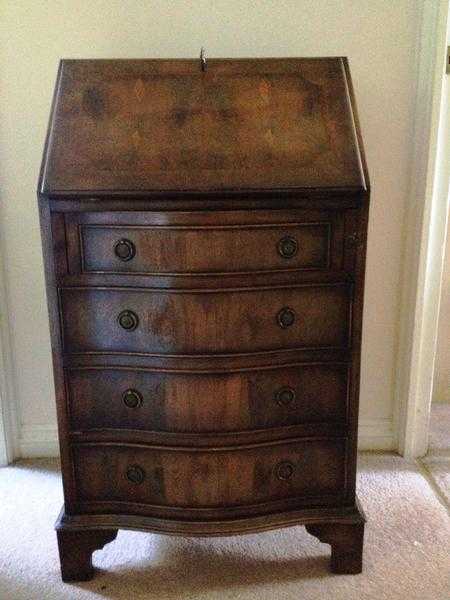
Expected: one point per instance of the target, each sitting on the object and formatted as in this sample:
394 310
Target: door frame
425 234
8 409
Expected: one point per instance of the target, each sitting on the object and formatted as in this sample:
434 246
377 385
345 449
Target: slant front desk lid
149 126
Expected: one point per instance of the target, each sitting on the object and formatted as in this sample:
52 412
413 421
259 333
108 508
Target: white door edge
8 407
425 225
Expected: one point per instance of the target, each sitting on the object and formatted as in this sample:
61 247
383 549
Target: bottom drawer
203 479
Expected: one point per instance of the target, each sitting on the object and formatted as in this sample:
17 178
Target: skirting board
38 441
42 440
377 434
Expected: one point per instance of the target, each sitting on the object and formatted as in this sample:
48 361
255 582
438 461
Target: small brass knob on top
285 470
124 250
135 474
203 63
128 320
286 317
287 247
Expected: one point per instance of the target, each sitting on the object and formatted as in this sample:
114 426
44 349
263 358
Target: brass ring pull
124 250
285 470
286 317
128 320
132 398
135 474
285 397
287 247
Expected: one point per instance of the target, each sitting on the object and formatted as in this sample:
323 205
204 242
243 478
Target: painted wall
441 384
378 36
441 388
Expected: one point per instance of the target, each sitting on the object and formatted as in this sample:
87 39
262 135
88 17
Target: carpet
406 555
437 461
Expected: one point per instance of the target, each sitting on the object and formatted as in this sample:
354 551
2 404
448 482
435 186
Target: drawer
172 322
103 398
188 478
150 243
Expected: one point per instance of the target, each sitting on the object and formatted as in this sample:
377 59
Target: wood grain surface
242 124
204 238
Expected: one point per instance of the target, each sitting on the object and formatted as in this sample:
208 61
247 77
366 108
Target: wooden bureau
204 232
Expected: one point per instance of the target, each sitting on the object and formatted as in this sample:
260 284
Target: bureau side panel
55 265
356 236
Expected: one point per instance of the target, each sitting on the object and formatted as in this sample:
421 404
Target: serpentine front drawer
171 322
168 401
192 480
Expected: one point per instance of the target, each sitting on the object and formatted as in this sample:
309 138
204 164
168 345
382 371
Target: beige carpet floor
407 551
437 461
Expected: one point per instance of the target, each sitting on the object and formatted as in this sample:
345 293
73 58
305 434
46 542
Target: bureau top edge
152 127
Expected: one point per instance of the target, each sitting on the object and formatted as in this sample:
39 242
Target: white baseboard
42 440
38 441
377 434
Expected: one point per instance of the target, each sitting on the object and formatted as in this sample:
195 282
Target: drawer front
183 244
208 322
208 479
202 403
171 251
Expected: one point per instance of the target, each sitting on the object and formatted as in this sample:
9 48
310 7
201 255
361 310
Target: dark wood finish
200 527
207 403
204 239
76 548
346 542
210 478
209 250
189 322
193 243
242 124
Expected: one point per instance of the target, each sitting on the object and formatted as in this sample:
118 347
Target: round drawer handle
124 249
287 247
128 320
135 474
285 470
286 317
285 397
132 398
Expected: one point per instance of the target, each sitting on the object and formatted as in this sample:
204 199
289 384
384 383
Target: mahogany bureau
204 231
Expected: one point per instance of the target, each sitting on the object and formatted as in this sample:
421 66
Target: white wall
441 384
441 388
378 36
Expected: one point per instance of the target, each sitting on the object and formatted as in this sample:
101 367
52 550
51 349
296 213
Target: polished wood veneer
271 123
194 479
204 238
168 250
186 402
190 322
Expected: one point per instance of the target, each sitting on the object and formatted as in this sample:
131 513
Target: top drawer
204 243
